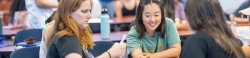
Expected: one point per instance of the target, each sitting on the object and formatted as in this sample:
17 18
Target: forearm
172 52
47 4
118 9
246 50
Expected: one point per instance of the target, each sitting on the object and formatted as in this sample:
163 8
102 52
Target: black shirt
61 47
201 45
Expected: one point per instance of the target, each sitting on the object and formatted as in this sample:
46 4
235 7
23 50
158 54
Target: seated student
213 37
175 10
38 12
71 35
153 35
237 16
17 5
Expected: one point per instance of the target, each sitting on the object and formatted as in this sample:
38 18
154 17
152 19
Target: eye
84 11
156 15
147 15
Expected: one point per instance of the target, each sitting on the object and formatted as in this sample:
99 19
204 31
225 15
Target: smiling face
82 15
151 17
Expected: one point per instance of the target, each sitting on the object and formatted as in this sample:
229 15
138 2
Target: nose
152 19
88 15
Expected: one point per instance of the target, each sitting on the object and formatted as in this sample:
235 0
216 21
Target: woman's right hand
117 50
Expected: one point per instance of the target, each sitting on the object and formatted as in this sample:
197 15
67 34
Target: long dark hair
139 23
207 16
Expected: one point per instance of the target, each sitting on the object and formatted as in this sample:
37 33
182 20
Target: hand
117 50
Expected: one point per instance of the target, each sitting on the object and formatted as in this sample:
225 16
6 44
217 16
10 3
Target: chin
152 29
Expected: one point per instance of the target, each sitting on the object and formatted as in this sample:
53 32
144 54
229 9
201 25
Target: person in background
237 16
152 35
38 12
125 8
174 9
17 15
213 38
17 5
71 35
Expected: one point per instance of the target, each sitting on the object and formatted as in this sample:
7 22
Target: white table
243 33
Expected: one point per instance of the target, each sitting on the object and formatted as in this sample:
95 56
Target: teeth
151 24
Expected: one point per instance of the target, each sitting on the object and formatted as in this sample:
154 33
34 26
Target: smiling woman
152 35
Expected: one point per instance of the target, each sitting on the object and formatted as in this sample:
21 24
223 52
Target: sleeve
132 41
43 49
46 33
67 45
172 34
194 48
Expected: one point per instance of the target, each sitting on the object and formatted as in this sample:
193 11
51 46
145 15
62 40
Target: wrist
111 54
108 54
154 54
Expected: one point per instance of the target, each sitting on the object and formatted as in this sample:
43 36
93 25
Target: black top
201 45
127 12
61 47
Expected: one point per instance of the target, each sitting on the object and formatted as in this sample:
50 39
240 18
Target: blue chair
30 33
101 47
29 52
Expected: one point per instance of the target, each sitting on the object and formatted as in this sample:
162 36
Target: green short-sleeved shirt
149 44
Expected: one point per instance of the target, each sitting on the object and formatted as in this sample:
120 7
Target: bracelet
109 54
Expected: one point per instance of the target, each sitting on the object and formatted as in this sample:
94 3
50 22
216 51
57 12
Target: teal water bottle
105 25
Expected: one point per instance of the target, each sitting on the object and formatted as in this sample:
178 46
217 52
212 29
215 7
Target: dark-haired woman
213 37
152 35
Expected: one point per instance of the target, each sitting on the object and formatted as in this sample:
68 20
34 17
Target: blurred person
239 17
174 9
38 12
213 38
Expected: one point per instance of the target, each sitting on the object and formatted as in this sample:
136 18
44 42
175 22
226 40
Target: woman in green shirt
152 35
